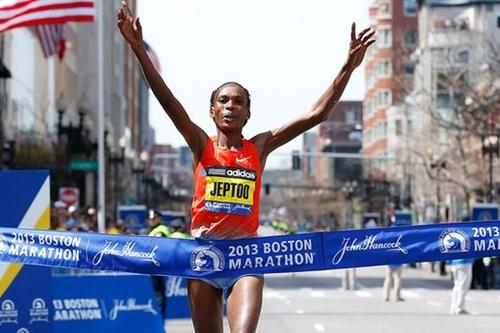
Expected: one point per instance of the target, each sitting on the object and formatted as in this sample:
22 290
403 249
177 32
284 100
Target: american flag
152 55
23 13
52 39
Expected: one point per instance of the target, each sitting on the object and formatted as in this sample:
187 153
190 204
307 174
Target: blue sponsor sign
170 215
133 217
177 300
485 212
105 303
371 220
26 306
25 291
402 218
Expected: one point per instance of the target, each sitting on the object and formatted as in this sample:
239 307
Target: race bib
230 190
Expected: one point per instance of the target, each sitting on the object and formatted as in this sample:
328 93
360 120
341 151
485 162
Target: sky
285 52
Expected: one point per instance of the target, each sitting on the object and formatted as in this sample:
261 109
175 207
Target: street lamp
349 189
439 165
491 146
74 148
116 158
138 169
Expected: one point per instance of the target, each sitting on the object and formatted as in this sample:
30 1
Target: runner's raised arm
131 29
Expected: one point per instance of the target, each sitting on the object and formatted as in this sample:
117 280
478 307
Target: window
352 116
384 68
398 125
409 67
410 7
384 37
449 89
385 98
498 21
461 57
439 56
384 9
411 37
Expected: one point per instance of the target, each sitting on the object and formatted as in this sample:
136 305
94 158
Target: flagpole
51 90
101 205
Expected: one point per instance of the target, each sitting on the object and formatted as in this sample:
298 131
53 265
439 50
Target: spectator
349 279
461 272
393 279
158 229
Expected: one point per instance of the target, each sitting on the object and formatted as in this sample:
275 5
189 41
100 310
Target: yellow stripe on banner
44 220
9 276
14 269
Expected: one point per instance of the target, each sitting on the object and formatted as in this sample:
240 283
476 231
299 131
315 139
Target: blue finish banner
275 254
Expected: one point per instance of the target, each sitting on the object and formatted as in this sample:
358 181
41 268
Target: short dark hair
230 83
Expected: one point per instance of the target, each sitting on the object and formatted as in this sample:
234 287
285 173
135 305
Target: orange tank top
226 192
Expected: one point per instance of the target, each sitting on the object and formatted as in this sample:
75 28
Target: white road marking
410 294
319 328
434 303
363 294
274 294
299 311
318 294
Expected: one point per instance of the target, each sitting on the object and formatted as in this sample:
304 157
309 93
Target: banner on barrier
25 291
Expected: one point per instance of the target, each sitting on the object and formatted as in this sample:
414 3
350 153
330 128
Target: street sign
69 195
83 165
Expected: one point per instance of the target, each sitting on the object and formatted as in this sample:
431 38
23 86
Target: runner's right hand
130 27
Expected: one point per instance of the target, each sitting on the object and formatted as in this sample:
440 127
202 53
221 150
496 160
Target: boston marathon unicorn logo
8 312
453 240
207 259
39 311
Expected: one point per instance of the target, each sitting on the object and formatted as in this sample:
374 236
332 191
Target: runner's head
230 106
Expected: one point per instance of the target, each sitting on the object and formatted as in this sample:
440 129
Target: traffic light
267 188
8 152
295 160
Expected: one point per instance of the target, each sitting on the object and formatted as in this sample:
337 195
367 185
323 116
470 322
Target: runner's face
230 108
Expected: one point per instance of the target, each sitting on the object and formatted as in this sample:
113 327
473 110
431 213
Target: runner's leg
205 302
244 303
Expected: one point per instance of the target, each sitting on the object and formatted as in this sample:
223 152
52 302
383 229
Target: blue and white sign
177 300
133 217
105 303
485 212
371 220
402 218
25 291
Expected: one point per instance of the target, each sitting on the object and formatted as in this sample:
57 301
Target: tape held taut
275 254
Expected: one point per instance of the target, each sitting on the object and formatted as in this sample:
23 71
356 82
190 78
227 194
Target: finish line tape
200 258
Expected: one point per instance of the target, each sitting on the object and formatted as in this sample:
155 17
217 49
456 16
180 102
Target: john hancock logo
125 250
453 240
207 259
